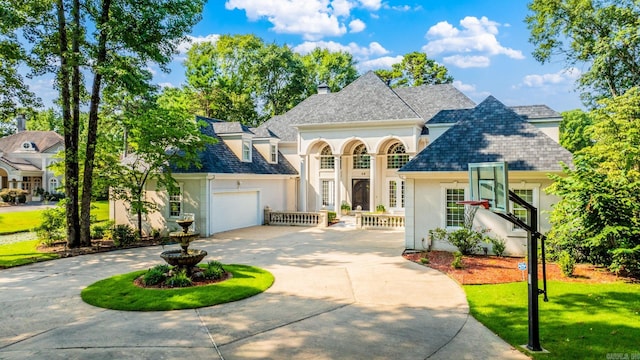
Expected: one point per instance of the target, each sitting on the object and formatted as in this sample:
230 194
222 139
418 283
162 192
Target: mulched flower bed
97 246
495 270
201 282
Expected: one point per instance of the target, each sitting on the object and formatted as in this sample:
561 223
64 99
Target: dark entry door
360 188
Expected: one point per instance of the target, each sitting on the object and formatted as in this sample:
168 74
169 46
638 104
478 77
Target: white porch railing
295 218
379 221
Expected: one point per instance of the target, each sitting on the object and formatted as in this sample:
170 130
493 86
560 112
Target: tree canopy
415 69
598 215
600 36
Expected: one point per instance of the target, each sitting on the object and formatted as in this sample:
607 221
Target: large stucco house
368 145
25 159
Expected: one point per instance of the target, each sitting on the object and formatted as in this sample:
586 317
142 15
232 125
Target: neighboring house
368 145
25 158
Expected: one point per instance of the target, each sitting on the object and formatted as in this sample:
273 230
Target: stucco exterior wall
428 211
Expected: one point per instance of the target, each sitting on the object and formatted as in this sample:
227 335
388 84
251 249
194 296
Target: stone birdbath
185 258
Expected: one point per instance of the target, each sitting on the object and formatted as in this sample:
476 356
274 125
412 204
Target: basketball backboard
489 181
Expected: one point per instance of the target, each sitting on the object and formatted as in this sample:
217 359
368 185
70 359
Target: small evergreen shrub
331 216
424 260
466 240
213 270
155 275
457 260
567 263
52 226
124 235
179 279
498 244
380 209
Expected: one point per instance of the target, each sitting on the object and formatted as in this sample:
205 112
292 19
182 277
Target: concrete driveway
339 293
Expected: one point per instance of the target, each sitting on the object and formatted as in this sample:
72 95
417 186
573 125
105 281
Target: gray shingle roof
536 112
491 132
219 159
368 98
42 140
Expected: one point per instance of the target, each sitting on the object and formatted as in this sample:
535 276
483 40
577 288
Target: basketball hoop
483 203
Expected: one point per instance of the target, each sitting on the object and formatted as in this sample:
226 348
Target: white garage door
234 210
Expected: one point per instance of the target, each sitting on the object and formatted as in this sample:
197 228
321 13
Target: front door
360 194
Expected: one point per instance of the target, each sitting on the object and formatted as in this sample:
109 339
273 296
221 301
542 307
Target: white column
336 183
372 183
303 183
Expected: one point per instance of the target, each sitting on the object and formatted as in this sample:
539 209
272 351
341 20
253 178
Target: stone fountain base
180 259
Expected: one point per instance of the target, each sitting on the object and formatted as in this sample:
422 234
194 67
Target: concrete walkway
339 293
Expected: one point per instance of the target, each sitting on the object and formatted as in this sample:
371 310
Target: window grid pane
396 161
518 210
246 151
402 194
455 211
393 201
327 193
274 154
175 203
361 159
327 162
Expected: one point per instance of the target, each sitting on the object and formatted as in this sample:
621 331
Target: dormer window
273 152
246 150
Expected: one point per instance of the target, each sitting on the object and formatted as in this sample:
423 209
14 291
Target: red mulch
495 270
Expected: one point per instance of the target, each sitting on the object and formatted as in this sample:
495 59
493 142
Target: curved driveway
339 293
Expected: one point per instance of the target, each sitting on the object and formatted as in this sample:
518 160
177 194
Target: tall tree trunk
92 127
71 169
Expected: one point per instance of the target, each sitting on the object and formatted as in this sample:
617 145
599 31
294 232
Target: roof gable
41 140
491 132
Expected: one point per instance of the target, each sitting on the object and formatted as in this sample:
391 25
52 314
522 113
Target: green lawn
580 321
20 221
22 253
119 292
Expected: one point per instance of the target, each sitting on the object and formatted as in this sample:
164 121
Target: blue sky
484 44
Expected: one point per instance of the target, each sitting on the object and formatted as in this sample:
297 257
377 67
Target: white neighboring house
25 158
368 145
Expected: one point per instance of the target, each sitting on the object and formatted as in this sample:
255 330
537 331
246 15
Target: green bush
567 263
626 261
11 195
179 279
214 270
155 275
331 215
52 226
124 235
498 244
457 260
99 231
380 208
424 260
466 240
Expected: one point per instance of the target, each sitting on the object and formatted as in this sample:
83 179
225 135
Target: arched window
326 158
396 156
361 159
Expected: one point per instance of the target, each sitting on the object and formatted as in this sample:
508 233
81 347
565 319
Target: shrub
567 263
155 275
213 270
498 244
466 240
331 216
52 226
345 206
457 260
626 261
424 260
179 279
124 235
11 195
98 231
380 208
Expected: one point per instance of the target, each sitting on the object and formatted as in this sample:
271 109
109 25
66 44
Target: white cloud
567 76
186 45
471 91
357 26
464 87
461 61
384 62
313 19
476 38
371 4
358 52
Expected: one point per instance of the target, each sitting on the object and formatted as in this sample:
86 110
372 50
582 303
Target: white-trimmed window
326 158
396 156
395 188
273 151
361 160
454 212
246 150
328 193
520 211
175 202
53 185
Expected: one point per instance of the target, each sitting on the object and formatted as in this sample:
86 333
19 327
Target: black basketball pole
532 249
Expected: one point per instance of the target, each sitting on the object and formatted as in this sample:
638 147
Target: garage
234 210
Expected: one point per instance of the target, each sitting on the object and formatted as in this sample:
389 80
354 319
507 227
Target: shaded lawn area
22 253
580 321
21 221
